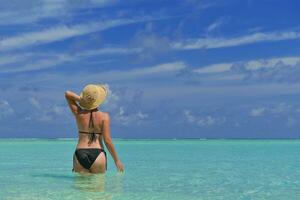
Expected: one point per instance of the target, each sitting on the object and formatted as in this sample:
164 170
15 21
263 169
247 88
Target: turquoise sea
154 169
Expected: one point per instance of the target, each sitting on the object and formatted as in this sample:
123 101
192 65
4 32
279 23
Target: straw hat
92 96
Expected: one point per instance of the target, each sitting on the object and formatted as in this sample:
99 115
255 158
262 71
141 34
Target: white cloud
203 121
161 68
29 11
117 75
280 108
6 109
203 4
59 33
40 63
112 100
9 58
210 43
249 65
268 63
122 99
126 119
257 112
283 110
277 109
47 112
189 117
165 68
110 50
47 61
214 68
35 61
206 121
213 78
216 24
35 103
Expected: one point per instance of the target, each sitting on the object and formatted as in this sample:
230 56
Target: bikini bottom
87 156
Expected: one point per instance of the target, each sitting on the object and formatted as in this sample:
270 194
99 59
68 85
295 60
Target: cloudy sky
186 69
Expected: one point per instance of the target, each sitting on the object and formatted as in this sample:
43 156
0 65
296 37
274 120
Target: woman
93 127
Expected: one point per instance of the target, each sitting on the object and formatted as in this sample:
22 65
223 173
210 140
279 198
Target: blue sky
186 69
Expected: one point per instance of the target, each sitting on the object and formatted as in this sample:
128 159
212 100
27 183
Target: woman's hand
72 96
119 166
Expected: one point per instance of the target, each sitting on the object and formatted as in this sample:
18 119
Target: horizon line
167 138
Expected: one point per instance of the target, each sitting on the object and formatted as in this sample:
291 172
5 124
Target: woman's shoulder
105 115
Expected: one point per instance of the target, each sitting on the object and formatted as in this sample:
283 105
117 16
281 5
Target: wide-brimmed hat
92 96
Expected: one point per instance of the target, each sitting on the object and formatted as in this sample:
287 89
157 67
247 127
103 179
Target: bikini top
91 124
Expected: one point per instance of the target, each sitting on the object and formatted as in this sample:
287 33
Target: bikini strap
92 123
91 119
85 132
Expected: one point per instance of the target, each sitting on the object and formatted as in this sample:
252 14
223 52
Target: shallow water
155 169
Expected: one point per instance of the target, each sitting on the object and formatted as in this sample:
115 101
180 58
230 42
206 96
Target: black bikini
87 156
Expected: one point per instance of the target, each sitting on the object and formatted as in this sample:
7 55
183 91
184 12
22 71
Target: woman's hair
92 138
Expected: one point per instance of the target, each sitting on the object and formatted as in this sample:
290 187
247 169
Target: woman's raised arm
71 98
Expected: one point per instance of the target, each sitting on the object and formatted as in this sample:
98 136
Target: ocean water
154 169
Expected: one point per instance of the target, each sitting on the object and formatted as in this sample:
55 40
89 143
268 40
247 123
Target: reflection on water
89 182
114 183
99 186
85 185
54 176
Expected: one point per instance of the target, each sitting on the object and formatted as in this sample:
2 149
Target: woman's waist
85 145
89 147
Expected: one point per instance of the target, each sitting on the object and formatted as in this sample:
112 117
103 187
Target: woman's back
90 128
